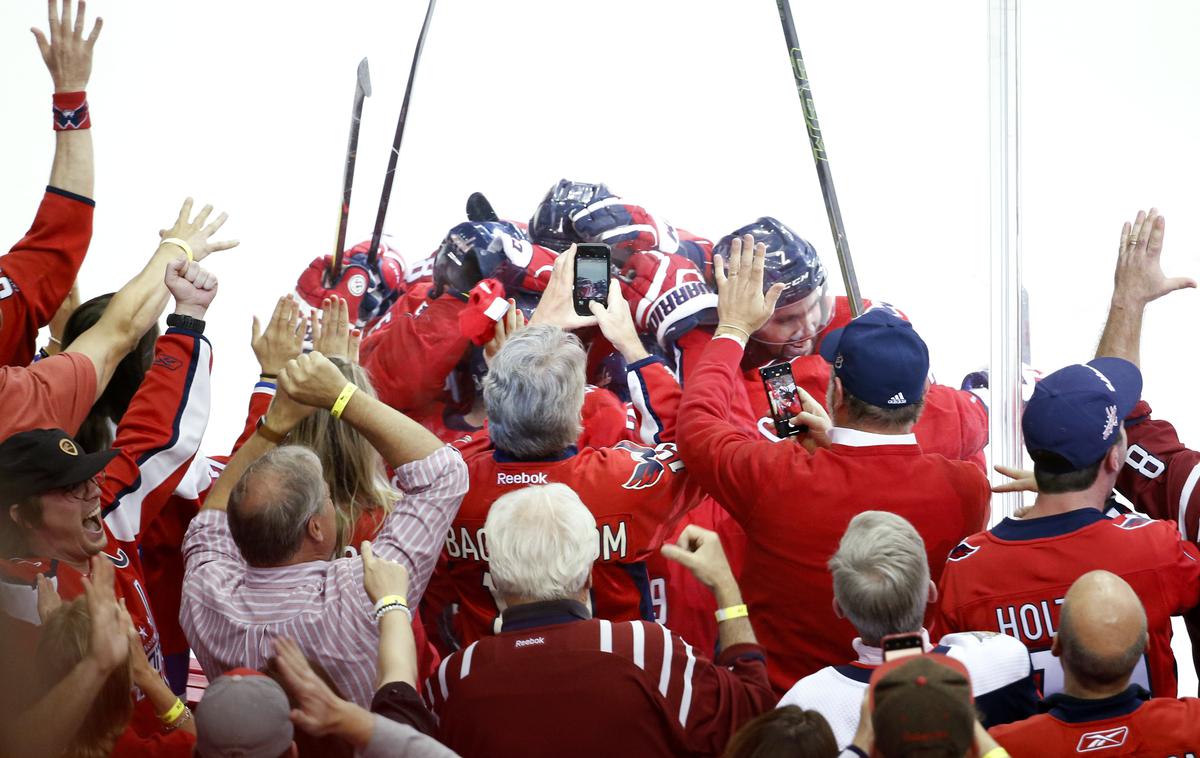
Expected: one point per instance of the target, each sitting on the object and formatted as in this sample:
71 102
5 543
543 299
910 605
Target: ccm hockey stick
362 90
819 156
391 170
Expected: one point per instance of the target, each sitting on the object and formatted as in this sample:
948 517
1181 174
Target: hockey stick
479 209
804 89
362 90
373 253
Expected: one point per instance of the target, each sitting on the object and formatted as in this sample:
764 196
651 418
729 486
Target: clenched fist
313 380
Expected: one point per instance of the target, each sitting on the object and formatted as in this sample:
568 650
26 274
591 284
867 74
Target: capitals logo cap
1075 414
39 460
880 359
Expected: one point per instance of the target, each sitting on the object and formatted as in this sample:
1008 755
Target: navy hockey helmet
471 251
790 259
551 223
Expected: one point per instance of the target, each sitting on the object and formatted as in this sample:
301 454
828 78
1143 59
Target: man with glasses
61 505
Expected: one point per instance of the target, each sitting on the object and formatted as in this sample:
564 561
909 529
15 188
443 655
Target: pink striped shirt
231 612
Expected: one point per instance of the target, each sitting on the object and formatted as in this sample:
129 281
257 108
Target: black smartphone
592 273
902 645
783 398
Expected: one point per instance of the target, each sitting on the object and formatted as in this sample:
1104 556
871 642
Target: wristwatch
267 433
186 322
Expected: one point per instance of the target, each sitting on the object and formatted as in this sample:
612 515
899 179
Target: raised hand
1023 481
109 646
616 322
333 333
313 380
382 577
194 232
700 551
283 338
48 599
742 306
513 320
58 322
557 306
192 287
68 54
1139 275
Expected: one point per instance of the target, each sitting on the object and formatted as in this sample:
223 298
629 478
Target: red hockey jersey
37 274
1013 579
1127 724
1160 473
635 491
795 506
560 683
157 438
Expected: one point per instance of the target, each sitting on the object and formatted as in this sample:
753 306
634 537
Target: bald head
1102 633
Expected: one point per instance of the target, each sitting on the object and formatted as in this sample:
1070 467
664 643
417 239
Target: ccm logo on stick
520 478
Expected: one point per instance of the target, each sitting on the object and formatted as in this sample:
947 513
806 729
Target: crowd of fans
463 519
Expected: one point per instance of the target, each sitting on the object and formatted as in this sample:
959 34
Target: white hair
541 542
881 575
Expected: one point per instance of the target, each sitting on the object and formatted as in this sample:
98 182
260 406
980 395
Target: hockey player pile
712 514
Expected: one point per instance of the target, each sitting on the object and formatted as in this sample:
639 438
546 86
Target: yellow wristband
996 752
172 715
182 245
339 405
732 612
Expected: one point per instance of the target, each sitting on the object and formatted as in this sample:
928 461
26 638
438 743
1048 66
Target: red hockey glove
626 227
667 295
369 292
486 305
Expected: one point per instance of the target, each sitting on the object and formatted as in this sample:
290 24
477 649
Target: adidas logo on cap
897 399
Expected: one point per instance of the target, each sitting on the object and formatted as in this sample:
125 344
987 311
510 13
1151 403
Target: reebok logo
522 478
1102 740
897 399
530 641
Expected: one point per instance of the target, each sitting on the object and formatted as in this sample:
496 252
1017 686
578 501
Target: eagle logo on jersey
1102 740
649 468
962 551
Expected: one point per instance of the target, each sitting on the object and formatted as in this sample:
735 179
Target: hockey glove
667 295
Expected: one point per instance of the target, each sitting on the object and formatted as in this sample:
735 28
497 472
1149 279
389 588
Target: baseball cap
243 714
880 359
38 460
922 706
1074 415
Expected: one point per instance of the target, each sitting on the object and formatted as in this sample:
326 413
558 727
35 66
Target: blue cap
1075 413
880 359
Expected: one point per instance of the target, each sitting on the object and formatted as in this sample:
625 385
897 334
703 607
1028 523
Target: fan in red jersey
1101 641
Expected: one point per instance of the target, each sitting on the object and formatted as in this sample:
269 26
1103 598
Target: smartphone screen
901 646
591 276
783 398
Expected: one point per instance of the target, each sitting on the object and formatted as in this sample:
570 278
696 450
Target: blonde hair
353 469
65 641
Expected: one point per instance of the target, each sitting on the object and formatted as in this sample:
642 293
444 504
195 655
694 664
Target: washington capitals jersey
1013 579
157 438
1161 474
635 491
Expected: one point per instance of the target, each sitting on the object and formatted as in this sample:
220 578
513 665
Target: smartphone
783 398
902 645
592 274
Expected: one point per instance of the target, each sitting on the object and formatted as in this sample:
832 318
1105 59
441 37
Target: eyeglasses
81 491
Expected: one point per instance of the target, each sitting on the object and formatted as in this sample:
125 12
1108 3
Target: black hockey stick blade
479 209
824 174
386 196
362 90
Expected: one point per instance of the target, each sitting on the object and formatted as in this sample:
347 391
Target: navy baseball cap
1075 414
880 359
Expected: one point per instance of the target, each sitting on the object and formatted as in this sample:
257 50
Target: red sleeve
655 397
408 359
260 402
734 466
37 274
159 434
688 351
1160 474
603 418
57 392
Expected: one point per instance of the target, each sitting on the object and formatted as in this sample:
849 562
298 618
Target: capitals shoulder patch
962 551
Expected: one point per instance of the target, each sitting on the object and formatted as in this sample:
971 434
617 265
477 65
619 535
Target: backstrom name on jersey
469 543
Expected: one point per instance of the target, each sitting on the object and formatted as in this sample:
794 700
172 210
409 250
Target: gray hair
541 542
881 575
534 392
272 503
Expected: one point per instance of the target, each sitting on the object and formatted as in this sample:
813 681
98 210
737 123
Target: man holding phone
795 505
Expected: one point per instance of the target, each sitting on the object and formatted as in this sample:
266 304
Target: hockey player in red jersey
795 505
1102 709
534 393
62 505
1012 579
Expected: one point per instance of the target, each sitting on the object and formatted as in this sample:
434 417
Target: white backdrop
685 107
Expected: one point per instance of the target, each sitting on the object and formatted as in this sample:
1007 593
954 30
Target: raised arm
1139 280
137 305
